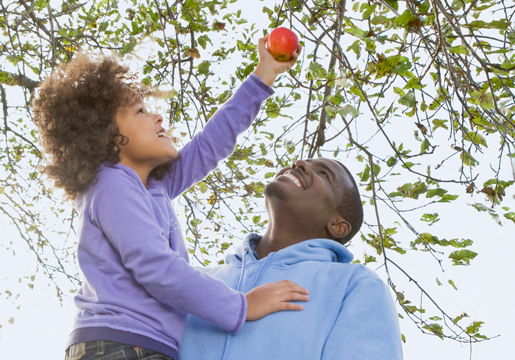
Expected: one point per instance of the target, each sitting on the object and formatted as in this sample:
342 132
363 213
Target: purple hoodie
138 284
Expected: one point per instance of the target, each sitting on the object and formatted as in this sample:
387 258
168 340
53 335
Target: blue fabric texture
350 315
131 250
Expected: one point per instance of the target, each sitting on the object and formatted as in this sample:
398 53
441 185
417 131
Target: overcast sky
485 289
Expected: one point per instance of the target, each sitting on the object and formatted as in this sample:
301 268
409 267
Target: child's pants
99 349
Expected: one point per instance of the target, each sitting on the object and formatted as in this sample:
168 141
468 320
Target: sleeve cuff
253 77
243 314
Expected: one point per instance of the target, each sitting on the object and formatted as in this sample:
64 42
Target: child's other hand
268 68
273 297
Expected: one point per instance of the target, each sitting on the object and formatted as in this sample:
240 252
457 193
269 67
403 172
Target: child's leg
99 350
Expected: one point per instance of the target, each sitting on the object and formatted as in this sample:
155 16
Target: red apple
282 42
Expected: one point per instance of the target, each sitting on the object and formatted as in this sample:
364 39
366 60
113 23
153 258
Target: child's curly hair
75 114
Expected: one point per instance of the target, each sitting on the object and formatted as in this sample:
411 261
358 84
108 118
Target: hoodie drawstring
258 276
238 287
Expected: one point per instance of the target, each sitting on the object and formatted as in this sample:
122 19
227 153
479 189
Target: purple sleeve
218 138
124 214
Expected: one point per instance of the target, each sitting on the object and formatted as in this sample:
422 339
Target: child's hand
273 297
268 68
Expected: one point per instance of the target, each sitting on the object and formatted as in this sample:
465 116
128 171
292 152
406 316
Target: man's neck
275 239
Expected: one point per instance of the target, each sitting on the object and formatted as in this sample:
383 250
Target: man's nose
301 165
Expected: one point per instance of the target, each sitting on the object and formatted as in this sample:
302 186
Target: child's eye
140 111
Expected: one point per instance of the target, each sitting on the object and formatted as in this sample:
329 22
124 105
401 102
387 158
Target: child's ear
338 227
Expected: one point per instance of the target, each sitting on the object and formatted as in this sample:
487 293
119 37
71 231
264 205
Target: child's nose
158 118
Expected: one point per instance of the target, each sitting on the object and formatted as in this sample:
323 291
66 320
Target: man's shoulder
363 276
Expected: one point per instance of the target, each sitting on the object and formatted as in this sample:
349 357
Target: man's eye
324 173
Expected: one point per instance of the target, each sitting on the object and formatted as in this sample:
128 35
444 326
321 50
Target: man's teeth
295 180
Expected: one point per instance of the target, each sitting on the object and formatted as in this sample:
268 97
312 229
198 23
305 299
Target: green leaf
486 101
290 147
128 47
424 7
462 257
452 284
413 190
430 218
330 111
202 187
393 3
459 317
272 109
365 175
474 327
315 71
435 329
369 259
448 198
460 49
468 159
202 41
436 192
414 84
203 67
425 146
405 18
476 138
356 32
379 19
241 45
368 12
356 47
439 124
7 79
510 216
347 109
501 24
408 99
392 160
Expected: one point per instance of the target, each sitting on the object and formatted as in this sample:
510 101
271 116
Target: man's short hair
351 207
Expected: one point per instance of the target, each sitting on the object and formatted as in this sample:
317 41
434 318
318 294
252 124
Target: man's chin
273 190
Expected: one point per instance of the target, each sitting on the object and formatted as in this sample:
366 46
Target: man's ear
338 227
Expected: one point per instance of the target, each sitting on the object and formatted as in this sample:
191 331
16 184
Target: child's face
147 146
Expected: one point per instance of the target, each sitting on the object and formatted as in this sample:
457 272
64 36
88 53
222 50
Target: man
314 208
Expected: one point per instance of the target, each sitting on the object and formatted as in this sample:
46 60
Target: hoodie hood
324 250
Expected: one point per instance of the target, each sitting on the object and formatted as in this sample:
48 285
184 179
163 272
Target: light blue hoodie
350 314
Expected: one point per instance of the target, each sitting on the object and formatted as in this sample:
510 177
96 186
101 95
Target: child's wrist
266 74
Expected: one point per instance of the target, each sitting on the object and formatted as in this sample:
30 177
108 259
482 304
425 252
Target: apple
282 42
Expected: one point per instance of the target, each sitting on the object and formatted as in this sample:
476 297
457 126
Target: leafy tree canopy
415 96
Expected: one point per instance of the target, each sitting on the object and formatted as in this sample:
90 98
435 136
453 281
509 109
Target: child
113 159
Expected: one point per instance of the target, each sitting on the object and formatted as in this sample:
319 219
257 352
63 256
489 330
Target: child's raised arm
218 138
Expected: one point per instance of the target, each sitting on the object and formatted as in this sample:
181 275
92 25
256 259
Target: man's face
312 188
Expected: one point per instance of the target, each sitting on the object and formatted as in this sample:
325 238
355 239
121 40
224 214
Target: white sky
485 289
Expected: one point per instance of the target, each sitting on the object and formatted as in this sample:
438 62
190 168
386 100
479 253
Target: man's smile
296 180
